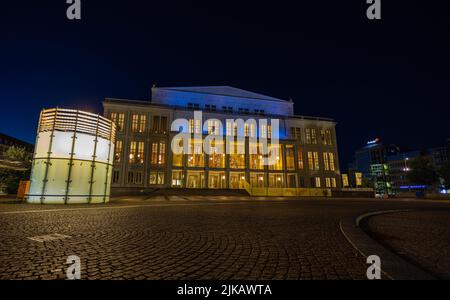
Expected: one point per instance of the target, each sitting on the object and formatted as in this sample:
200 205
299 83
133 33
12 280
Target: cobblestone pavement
176 237
421 237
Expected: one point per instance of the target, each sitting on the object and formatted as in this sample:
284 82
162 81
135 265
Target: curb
393 266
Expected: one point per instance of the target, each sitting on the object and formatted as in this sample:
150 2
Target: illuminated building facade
306 156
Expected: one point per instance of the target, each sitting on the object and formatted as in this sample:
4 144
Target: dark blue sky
388 78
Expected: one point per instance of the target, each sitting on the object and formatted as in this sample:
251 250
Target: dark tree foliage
422 171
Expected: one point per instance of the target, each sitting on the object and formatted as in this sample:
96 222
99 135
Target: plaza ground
214 237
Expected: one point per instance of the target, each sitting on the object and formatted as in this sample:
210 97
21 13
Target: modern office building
371 161
307 154
399 166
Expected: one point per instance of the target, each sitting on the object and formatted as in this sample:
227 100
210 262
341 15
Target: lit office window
246 130
269 131
263 131
290 157
229 129
120 122
156 178
323 137
237 180
217 180
327 182
118 151
333 182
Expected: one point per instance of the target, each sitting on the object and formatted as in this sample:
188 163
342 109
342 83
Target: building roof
222 91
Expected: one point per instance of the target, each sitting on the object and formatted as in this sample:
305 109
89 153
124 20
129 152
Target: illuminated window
269 131
310 161
132 154
237 161
313 136
276 151
154 158
328 182
318 184
162 153
290 157
195 179
120 122
142 123
255 157
276 181
325 161
156 178
333 182
191 126
217 156
177 179
308 135
134 123
118 119
177 159
217 180
140 153
316 160
322 135
237 180
331 161
257 180
118 151
246 130
300 159
196 157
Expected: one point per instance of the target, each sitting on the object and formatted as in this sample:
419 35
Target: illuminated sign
375 141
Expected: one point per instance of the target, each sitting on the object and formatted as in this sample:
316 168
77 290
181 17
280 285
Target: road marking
49 237
133 206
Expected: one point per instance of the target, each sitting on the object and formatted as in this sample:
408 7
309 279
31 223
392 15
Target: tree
444 173
18 154
422 171
9 179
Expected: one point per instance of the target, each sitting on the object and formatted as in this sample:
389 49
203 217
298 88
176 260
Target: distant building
371 161
308 153
399 166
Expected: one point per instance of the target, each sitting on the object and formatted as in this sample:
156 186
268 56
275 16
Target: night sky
388 78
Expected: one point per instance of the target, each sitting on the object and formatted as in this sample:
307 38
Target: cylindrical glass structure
73 158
